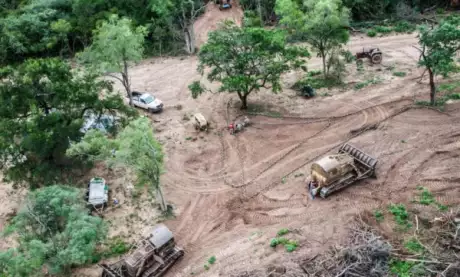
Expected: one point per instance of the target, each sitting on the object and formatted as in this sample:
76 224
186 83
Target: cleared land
233 193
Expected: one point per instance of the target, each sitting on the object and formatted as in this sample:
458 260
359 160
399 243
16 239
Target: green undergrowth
289 244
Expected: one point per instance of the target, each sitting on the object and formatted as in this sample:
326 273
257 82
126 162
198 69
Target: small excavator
335 172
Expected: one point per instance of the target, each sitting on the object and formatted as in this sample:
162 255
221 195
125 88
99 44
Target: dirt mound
210 19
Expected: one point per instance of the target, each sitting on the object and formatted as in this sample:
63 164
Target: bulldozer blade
365 159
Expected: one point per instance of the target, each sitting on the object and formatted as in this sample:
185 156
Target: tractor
335 172
373 54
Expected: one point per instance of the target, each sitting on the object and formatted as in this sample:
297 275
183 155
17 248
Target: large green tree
55 233
42 107
116 45
245 60
135 148
438 47
321 23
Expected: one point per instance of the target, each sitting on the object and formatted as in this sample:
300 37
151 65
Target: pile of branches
442 245
366 254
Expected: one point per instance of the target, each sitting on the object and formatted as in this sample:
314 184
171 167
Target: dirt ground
233 193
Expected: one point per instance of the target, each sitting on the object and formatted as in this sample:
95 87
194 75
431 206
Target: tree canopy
245 60
438 48
115 45
43 104
55 234
322 23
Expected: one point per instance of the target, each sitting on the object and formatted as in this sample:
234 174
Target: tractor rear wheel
376 58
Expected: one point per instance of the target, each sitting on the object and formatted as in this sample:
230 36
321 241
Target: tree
189 11
135 148
116 44
322 23
438 48
42 107
246 59
55 234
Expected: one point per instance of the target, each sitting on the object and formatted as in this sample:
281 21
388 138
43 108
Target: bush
378 214
400 214
383 29
371 33
399 74
282 232
116 247
404 27
212 260
348 56
414 246
314 73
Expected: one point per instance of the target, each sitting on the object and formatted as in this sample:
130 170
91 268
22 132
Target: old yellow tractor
334 172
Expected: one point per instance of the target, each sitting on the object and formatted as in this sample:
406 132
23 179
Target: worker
313 188
231 128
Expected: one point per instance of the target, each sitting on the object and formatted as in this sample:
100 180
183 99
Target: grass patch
383 29
426 198
404 27
378 214
289 245
298 175
188 138
313 73
115 246
414 246
259 109
405 268
400 215
399 74
361 85
371 33
316 82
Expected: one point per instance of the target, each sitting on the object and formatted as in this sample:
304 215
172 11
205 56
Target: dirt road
232 193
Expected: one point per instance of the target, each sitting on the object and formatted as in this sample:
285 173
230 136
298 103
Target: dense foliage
55 233
42 108
135 148
322 23
63 27
247 59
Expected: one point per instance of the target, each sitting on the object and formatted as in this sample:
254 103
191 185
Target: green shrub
383 29
312 73
371 33
400 214
414 246
404 27
274 242
367 83
378 214
115 246
402 268
206 267
290 247
212 260
348 56
282 232
440 11
399 74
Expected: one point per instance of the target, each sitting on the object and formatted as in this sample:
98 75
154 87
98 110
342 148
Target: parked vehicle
97 194
147 102
200 122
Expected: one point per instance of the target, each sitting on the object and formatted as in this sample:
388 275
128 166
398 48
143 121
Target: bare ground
232 193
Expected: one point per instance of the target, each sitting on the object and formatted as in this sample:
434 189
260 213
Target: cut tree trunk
432 87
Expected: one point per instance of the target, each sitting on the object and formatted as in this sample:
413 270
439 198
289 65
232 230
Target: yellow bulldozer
334 172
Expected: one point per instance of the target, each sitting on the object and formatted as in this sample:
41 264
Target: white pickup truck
147 102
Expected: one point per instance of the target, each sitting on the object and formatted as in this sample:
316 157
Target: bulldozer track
275 183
